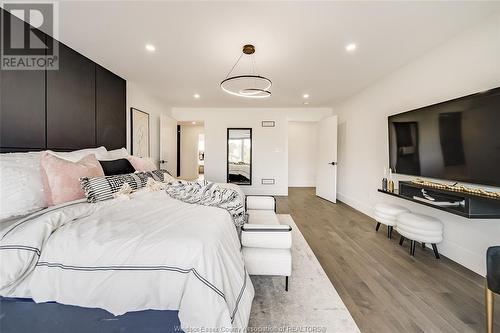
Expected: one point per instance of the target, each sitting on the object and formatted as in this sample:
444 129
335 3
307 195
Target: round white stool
420 228
388 214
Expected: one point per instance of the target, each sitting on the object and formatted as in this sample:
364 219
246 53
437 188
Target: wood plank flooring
384 288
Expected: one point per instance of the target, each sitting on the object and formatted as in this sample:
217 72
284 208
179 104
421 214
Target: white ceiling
300 45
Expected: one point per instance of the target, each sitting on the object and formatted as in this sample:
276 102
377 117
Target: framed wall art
139 133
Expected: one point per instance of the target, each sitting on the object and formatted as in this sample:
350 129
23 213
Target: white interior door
168 144
326 160
190 137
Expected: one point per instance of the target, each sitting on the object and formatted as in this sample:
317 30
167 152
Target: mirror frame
227 154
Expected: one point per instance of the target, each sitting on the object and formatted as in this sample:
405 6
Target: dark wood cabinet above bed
80 105
22 109
22 104
71 102
111 93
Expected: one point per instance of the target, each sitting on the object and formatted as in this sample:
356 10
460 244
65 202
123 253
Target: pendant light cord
255 69
237 61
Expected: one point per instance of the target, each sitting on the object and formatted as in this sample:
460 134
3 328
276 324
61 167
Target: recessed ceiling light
305 95
306 103
150 47
194 123
196 96
350 47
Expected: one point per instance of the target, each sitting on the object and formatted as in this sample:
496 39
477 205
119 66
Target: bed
150 257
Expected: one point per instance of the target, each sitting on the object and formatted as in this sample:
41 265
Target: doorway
191 151
302 146
312 156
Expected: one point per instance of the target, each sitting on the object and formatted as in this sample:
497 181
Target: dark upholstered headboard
80 105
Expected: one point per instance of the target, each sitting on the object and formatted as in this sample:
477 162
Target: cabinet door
22 109
22 104
111 113
71 102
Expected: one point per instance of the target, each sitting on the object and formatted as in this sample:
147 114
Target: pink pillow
142 164
61 178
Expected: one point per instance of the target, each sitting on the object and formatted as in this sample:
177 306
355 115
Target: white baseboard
301 184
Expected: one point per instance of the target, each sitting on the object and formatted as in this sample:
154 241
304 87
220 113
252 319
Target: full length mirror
239 156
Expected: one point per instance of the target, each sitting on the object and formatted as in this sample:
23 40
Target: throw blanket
209 194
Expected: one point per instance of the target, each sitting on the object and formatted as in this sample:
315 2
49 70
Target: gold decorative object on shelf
390 186
390 183
457 188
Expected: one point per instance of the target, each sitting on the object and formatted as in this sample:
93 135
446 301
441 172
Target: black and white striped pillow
102 188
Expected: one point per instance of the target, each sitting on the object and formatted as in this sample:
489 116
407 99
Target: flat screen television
456 140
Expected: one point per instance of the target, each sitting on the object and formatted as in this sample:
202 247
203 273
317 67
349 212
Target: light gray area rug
311 304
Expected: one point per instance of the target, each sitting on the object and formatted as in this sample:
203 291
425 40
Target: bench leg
412 248
378 226
423 246
286 283
436 253
401 240
389 231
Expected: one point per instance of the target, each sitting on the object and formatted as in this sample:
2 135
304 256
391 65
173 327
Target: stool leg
378 226
401 240
389 231
286 283
489 308
436 253
412 248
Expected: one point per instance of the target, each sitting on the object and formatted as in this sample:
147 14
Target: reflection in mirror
239 156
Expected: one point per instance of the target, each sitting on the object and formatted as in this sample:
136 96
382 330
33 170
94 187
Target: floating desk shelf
472 206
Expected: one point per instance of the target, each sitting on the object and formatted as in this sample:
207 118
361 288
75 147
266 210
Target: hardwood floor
384 288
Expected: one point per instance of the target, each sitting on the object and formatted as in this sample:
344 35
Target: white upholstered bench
266 243
420 228
388 214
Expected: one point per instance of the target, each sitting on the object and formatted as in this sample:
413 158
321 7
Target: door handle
333 163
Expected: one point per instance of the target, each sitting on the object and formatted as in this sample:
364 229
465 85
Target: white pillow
21 187
76 155
115 154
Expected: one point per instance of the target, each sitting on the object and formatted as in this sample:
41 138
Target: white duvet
149 252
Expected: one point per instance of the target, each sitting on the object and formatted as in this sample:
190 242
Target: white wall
270 145
466 64
189 151
139 99
302 147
